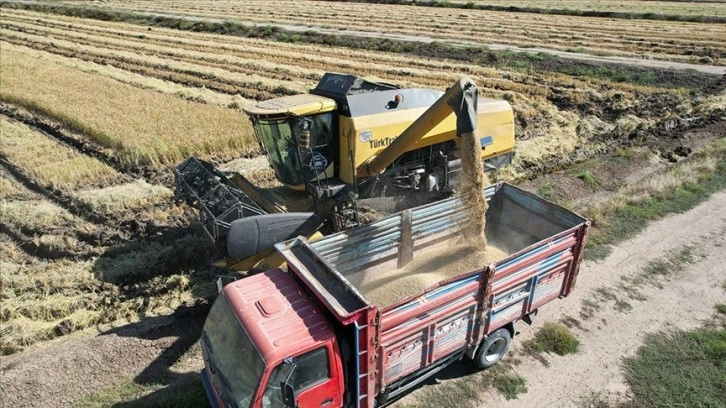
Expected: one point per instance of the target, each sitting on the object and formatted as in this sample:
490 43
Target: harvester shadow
138 276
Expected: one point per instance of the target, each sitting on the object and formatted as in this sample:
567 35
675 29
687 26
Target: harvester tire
493 348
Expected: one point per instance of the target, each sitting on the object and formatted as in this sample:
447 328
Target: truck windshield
232 355
277 138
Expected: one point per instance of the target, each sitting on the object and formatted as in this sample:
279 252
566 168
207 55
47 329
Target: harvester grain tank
349 142
316 336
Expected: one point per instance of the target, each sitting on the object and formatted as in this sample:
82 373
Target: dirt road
684 301
63 372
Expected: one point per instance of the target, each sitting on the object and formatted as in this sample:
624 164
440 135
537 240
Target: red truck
312 336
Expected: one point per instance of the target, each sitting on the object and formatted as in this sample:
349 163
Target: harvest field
667 8
94 113
670 40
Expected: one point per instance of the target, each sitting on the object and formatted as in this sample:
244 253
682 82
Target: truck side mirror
286 388
288 395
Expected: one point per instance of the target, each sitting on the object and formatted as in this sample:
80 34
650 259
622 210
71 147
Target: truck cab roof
277 314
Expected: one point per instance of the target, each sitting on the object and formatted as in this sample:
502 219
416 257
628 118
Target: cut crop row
302 60
168 69
696 11
670 40
141 127
42 299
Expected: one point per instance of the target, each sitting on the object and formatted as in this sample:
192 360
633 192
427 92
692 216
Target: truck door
315 380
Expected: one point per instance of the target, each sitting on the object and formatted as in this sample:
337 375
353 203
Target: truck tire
493 348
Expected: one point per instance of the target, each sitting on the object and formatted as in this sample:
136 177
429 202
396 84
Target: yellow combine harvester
348 143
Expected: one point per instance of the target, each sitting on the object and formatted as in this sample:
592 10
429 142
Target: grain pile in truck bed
384 287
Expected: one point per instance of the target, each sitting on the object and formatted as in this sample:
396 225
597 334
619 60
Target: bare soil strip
64 372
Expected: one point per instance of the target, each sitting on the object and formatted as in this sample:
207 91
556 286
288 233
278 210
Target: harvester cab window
277 138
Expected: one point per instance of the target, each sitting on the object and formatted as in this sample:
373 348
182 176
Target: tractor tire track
57 197
109 231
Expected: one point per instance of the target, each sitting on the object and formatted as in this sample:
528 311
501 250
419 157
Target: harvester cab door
312 379
317 145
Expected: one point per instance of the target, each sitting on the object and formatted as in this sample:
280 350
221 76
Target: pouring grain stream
471 185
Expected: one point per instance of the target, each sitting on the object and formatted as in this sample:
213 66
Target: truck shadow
186 391
169 336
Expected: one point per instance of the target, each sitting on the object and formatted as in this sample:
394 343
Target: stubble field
669 40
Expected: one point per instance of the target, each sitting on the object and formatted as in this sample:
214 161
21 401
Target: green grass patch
623 306
679 369
721 308
554 338
671 264
546 191
628 220
655 270
589 179
466 390
187 393
510 385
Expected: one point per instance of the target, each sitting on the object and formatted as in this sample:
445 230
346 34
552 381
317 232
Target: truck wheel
493 349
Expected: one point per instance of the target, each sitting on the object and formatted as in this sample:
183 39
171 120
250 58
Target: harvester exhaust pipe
461 99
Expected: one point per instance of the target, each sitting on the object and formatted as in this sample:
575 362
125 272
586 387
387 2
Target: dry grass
624 213
49 163
41 300
548 137
196 94
142 127
41 213
9 190
687 8
127 196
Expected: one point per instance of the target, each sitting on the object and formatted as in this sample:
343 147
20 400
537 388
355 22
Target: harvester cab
349 142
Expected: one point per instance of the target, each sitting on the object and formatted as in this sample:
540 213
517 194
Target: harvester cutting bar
200 185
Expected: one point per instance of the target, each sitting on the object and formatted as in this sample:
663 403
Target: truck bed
539 248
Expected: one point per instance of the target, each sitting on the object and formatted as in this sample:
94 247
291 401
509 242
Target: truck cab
266 344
